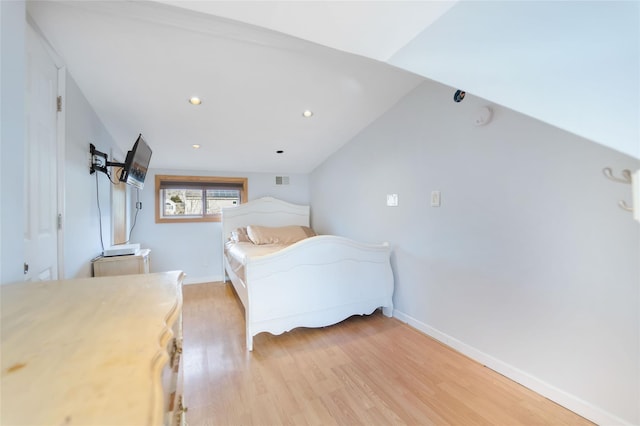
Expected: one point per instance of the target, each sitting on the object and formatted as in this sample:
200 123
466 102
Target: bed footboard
316 282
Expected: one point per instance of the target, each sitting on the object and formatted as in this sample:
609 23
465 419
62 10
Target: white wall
12 136
81 218
195 248
529 264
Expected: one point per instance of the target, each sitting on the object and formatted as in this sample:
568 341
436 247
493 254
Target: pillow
239 235
310 232
282 235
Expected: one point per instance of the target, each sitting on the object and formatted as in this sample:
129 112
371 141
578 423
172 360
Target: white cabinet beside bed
315 282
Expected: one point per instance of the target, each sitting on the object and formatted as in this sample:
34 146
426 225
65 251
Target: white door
41 230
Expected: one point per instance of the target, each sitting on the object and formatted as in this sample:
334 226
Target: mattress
237 254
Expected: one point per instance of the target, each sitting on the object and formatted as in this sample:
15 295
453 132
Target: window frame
240 182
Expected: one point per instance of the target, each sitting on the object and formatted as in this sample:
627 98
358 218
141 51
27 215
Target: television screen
136 164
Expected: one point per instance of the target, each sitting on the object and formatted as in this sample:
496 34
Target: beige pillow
281 235
310 232
239 235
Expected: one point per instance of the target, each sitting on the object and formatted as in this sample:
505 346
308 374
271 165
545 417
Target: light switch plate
392 200
435 198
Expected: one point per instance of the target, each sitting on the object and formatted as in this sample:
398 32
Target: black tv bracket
100 166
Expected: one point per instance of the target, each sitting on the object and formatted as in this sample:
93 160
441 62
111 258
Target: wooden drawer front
122 265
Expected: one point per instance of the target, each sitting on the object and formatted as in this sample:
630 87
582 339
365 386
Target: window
196 198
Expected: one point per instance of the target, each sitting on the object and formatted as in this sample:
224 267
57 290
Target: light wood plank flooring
368 370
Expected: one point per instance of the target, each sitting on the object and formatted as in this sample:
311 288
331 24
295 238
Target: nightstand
122 265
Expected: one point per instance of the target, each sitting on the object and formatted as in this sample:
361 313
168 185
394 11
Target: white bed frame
315 282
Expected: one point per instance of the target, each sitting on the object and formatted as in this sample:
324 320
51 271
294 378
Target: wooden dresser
94 351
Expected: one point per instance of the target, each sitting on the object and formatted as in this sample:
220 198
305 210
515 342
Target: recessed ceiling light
195 146
195 100
307 113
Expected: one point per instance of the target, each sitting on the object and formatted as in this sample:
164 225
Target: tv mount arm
100 166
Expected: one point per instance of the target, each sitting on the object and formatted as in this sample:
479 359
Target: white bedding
239 253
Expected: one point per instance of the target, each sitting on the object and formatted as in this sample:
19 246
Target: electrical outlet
392 200
435 198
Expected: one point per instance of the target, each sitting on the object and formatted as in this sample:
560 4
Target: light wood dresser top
87 351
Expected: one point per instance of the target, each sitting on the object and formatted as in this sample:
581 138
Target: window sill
217 218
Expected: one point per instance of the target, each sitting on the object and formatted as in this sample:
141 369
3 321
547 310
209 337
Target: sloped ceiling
138 63
374 29
572 64
258 65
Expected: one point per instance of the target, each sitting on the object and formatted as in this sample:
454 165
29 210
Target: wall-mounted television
136 164
134 169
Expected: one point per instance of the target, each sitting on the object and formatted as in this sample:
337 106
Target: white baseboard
571 402
199 280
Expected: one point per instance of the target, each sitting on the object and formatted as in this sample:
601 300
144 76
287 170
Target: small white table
122 265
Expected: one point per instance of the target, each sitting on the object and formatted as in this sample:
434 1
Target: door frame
61 190
60 143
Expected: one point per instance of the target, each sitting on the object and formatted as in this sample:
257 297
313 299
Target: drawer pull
176 351
181 411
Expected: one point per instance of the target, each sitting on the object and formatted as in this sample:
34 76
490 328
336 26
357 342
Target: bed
314 282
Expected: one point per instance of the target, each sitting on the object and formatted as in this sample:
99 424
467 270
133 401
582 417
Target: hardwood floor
368 370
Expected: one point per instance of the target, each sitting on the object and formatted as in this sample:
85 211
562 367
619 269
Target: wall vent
282 180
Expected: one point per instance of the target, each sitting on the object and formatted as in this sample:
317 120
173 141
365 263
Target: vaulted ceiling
258 65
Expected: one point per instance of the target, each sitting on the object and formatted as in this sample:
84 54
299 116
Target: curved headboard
265 211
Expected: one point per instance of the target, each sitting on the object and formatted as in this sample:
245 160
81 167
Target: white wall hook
626 175
634 181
